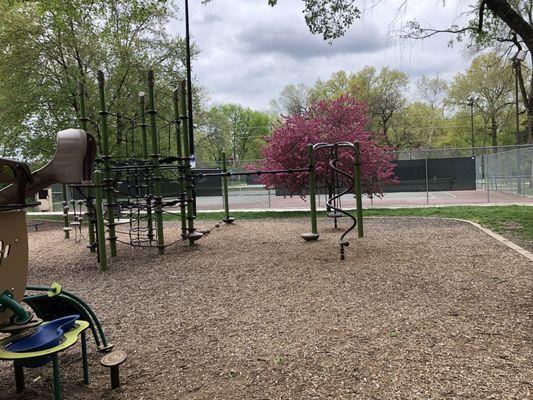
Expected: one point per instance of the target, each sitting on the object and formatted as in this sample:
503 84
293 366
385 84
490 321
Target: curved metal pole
330 202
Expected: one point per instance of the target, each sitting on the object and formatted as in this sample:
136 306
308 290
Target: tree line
48 47
434 112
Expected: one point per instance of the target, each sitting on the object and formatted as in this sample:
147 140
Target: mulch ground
420 309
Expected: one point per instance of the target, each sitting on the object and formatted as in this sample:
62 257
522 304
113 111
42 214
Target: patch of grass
517 220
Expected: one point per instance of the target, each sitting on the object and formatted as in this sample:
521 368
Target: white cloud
249 50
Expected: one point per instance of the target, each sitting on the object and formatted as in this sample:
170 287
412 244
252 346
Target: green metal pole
357 187
7 302
84 360
187 161
155 163
19 377
100 227
144 139
107 166
57 377
65 211
90 194
181 176
120 150
312 194
313 235
227 218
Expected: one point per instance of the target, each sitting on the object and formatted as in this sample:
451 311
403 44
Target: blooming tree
340 120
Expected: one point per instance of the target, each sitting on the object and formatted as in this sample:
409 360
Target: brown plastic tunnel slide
71 164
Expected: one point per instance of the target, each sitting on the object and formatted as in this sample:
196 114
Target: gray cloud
298 43
211 18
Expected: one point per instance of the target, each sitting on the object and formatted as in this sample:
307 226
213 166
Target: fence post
519 172
427 180
487 174
227 219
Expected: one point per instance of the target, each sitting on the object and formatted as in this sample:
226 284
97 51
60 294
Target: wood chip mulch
420 309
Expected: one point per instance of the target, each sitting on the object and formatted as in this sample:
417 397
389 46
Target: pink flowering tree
339 120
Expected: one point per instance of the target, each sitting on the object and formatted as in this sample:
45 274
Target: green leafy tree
293 100
48 47
504 24
432 90
387 96
248 130
340 83
489 79
237 130
418 125
213 135
383 93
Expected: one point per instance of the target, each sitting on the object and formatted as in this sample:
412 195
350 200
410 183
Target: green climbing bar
357 189
90 194
100 224
107 166
155 163
177 123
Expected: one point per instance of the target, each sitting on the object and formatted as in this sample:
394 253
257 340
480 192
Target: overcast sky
250 51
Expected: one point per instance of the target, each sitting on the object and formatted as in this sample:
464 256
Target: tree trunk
514 20
503 10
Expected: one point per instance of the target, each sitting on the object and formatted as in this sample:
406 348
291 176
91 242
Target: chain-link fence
500 175
508 171
427 177
453 152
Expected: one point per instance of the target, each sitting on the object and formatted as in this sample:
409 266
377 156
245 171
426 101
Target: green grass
513 221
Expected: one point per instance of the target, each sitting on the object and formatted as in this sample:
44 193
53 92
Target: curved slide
72 164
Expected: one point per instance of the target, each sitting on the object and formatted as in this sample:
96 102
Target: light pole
189 78
517 61
471 101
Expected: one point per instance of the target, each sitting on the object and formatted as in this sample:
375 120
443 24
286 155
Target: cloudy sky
250 51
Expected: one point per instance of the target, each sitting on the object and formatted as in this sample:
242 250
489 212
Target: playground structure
58 318
128 195
132 189
333 184
335 190
128 180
